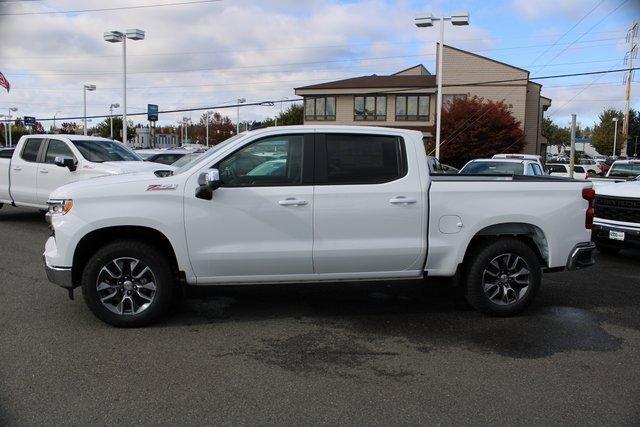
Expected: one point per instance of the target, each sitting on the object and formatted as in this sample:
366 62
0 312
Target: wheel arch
96 239
530 234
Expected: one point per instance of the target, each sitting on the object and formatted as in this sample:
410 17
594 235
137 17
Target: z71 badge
162 187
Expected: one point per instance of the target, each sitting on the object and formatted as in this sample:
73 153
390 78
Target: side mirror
207 183
66 162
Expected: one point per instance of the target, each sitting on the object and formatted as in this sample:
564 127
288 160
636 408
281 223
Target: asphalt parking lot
380 354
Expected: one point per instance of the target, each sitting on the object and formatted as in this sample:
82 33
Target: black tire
607 250
147 256
512 297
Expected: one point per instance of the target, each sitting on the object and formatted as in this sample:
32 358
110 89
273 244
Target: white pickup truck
617 216
41 163
313 204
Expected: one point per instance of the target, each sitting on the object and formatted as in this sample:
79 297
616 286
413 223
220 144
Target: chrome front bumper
581 256
61 276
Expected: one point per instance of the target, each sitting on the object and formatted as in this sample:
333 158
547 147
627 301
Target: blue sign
152 112
29 121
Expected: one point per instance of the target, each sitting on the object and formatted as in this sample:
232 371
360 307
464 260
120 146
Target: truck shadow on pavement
359 319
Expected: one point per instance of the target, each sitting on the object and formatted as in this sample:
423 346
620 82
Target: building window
370 108
320 108
448 99
412 107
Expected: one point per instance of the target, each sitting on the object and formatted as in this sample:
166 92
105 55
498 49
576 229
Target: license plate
616 235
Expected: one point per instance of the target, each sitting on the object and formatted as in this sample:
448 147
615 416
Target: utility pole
573 145
629 57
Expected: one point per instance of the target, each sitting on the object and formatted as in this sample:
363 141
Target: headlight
59 207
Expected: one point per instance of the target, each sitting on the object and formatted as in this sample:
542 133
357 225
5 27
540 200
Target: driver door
51 176
259 224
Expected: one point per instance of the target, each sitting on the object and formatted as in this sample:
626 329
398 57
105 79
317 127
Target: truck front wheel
128 283
503 277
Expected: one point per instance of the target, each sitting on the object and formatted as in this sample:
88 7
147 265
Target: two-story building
407 99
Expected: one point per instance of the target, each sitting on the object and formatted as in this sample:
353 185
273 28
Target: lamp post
89 88
240 101
14 109
615 135
457 18
111 107
207 129
117 37
54 120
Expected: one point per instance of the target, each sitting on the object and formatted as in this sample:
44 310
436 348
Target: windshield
493 168
105 151
206 154
625 169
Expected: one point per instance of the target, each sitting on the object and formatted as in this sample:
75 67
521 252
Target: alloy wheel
126 286
506 279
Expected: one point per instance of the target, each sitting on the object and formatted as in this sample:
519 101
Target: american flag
4 82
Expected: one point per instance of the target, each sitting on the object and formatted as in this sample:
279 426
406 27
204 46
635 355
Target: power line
586 32
262 103
567 32
244 67
109 9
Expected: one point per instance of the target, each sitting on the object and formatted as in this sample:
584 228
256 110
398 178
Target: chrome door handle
292 201
402 200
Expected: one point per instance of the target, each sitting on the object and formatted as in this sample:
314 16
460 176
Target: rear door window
360 159
31 149
536 169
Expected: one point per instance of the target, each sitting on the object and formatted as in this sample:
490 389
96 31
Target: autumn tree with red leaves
476 128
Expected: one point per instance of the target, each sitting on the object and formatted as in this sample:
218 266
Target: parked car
620 171
617 216
185 159
532 157
351 203
42 163
436 167
562 169
166 157
502 166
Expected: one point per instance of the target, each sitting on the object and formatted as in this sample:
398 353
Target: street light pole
14 109
240 101
111 107
615 135
84 92
120 37
457 18
207 129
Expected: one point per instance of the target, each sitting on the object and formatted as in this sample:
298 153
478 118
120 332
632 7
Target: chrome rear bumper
581 256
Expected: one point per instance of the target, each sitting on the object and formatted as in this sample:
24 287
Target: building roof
375 81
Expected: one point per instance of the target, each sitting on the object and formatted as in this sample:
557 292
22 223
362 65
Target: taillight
589 194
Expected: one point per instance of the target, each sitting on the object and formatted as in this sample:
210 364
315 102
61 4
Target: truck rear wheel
503 277
128 283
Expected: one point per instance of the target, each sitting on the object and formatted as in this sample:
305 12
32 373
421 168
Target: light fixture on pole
14 109
54 119
615 135
457 18
111 107
89 88
117 37
240 101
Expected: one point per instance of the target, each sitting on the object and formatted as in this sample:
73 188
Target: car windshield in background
185 159
556 168
493 168
625 169
207 153
105 151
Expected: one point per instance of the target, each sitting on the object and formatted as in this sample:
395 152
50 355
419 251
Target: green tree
602 135
220 128
556 135
292 116
103 129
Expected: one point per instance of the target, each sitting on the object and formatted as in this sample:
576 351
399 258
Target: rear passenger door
51 176
368 206
24 172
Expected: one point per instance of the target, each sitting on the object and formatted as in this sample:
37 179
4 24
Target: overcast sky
213 53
